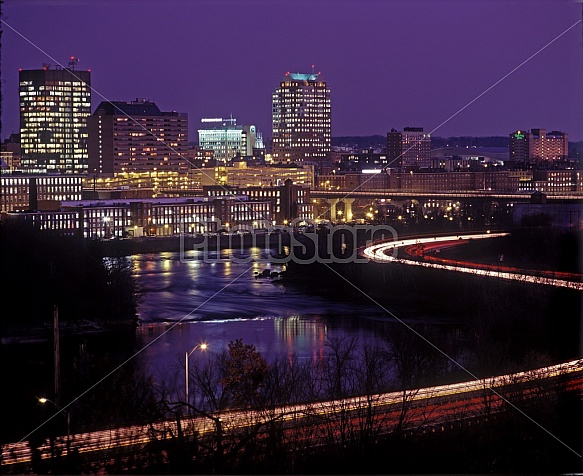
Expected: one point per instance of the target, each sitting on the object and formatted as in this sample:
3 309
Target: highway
417 249
445 403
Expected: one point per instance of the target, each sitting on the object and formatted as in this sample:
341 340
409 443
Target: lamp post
68 415
187 355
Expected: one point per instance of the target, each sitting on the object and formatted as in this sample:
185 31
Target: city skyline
388 65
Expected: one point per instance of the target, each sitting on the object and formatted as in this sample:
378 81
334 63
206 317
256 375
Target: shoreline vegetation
89 290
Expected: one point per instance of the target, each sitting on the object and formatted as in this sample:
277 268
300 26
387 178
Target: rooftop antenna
73 62
313 71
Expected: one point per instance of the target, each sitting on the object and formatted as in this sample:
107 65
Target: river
189 301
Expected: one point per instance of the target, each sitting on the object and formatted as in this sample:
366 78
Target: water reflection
182 306
190 301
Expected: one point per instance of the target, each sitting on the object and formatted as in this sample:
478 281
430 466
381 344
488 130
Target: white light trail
380 253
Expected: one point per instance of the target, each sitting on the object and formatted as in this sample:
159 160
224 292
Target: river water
189 301
185 302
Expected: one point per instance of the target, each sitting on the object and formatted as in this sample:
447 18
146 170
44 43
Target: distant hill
576 150
375 141
366 142
361 142
463 141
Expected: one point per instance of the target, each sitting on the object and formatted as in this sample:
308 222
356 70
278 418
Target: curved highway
457 400
418 249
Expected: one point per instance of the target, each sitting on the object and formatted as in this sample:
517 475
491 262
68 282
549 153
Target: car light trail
14 453
387 252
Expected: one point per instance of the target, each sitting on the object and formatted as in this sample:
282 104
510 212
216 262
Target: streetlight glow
202 346
67 416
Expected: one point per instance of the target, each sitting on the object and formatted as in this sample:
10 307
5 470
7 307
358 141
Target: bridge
446 195
479 199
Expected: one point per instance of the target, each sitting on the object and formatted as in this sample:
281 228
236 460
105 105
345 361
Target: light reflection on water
181 308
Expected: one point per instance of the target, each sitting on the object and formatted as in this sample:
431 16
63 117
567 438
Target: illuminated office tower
227 140
409 149
54 105
136 136
301 119
538 147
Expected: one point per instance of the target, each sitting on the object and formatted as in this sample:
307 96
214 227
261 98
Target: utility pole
57 355
1 92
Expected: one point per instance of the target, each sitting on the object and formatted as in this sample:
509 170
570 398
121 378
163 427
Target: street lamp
68 415
187 355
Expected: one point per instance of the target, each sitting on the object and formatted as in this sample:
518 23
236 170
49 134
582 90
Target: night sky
387 63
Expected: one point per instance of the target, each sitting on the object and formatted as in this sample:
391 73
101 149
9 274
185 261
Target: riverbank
45 333
160 244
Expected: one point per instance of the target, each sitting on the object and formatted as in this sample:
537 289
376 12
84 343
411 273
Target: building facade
289 201
226 140
54 106
106 219
136 137
426 182
22 192
539 148
394 148
409 149
301 120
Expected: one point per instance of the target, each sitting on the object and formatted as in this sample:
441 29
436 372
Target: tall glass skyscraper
301 119
54 105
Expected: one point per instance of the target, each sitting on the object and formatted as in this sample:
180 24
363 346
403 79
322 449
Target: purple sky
387 63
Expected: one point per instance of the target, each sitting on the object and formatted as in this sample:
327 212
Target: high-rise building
227 140
394 148
538 147
519 144
54 105
409 149
301 119
137 137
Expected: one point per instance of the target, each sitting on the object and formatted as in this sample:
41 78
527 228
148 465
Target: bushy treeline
240 417
40 271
